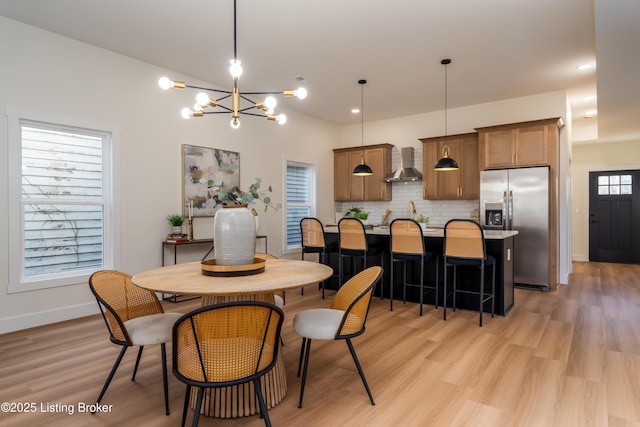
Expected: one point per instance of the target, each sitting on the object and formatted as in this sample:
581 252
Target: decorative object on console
176 222
362 169
446 163
265 108
234 227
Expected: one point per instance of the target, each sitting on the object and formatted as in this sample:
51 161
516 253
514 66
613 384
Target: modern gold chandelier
204 101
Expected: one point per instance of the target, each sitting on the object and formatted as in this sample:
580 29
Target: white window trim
297 161
111 186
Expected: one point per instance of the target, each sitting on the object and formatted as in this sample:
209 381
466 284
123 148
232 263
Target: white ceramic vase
234 236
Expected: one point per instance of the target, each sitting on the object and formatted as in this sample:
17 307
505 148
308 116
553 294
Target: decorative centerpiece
234 226
423 220
358 213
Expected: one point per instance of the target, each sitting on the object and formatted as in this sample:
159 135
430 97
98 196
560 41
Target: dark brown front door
614 216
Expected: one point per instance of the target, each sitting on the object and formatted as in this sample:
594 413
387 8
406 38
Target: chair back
406 237
226 344
354 298
464 238
120 300
351 234
312 233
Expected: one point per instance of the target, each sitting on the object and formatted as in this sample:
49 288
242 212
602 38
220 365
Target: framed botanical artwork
200 167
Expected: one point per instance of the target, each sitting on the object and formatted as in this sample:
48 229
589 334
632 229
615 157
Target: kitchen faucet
411 209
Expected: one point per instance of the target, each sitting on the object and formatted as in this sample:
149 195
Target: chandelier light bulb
281 119
270 102
235 123
186 113
235 69
197 107
300 93
203 99
165 83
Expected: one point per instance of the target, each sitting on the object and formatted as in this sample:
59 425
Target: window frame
313 167
16 119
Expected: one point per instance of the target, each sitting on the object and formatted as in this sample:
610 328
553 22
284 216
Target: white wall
44 72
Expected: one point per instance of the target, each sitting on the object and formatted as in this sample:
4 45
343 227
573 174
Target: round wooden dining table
278 275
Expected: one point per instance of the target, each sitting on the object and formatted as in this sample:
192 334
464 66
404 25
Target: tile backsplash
438 211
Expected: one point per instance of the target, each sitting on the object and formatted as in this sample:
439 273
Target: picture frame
200 167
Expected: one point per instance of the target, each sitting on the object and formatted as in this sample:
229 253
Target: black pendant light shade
362 169
446 163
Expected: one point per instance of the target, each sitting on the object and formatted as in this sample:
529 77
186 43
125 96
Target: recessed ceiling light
585 67
355 110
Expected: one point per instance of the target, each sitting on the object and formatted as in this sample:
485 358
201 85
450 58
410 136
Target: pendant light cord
445 100
235 33
362 117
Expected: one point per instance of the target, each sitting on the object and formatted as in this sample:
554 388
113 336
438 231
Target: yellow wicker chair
226 344
313 242
407 245
344 320
352 242
464 245
134 317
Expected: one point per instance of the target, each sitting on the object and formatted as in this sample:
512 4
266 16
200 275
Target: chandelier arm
207 88
216 112
251 114
223 98
264 93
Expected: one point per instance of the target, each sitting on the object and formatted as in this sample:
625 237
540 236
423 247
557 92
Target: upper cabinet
362 188
519 144
463 184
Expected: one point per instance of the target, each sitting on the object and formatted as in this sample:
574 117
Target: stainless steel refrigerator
518 199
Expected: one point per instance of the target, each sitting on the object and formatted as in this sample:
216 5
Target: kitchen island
499 243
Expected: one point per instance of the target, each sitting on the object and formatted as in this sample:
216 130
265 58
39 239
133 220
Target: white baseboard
580 258
31 320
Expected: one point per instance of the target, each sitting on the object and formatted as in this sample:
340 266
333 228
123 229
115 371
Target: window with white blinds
300 200
63 198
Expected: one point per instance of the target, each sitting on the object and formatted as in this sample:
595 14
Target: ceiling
499 50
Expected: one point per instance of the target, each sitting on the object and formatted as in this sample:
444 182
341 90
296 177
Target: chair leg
421 283
165 382
437 284
135 368
404 282
111 374
355 359
196 415
263 406
185 407
481 290
304 343
304 371
444 290
302 289
391 262
455 285
493 290
382 278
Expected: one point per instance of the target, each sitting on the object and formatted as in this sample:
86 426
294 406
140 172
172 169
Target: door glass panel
614 179
603 180
603 190
615 185
625 189
625 179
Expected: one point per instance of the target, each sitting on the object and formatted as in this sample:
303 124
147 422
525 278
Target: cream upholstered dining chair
407 245
226 344
134 317
344 320
464 245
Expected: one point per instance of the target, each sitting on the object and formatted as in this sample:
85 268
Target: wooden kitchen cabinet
463 184
518 144
362 188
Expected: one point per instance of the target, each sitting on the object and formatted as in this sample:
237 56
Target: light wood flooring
569 357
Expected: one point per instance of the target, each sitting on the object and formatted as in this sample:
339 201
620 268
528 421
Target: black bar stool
352 242
313 242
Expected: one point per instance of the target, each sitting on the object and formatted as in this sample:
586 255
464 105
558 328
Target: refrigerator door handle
505 209
510 211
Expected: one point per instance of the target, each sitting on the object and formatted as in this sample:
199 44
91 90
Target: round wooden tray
210 268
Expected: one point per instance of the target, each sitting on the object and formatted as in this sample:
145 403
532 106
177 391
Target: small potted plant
176 223
358 213
423 220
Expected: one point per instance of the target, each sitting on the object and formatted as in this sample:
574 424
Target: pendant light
362 169
446 163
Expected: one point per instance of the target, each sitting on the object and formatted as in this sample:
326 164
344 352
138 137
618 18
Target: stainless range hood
406 172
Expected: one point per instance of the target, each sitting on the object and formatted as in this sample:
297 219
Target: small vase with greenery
236 196
422 219
176 222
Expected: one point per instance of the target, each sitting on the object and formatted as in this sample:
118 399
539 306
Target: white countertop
435 232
